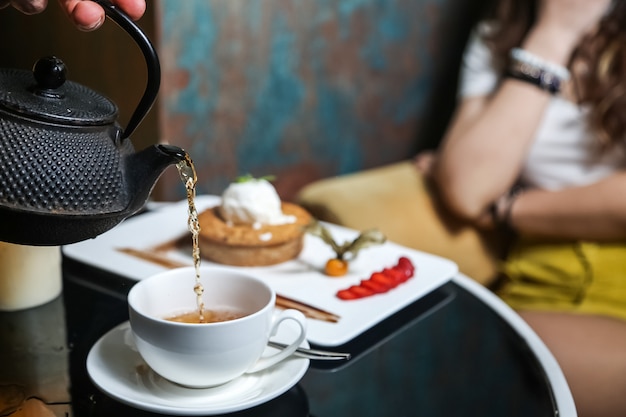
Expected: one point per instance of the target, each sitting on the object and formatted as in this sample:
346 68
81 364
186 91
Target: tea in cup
239 319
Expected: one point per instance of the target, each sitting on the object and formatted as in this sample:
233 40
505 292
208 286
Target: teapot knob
49 72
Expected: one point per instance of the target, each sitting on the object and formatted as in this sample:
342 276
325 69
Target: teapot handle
152 63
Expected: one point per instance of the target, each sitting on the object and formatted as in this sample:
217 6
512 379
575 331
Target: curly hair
602 54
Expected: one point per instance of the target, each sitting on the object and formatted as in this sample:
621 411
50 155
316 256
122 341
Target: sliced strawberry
380 282
395 274
361 291
347 295
377 287
403 274
383 279
405 263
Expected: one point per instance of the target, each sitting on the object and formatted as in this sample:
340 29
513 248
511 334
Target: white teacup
207 354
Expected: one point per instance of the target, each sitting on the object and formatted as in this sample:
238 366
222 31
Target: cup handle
267 361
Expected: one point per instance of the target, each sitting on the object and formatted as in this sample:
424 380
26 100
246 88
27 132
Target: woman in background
537 144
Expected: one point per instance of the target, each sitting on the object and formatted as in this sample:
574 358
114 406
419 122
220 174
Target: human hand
86 14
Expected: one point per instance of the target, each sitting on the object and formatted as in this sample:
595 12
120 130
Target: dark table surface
447 354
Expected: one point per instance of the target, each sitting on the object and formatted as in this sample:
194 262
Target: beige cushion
395 199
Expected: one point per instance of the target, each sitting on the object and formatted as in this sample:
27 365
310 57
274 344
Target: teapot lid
46 96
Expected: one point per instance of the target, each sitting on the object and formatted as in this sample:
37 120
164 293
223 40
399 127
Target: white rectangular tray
301 279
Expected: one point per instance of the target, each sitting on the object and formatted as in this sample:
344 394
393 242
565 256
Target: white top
562 154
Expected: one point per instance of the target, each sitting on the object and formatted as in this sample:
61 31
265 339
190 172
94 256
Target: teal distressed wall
304 89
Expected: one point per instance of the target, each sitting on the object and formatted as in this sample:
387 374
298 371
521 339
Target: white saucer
117 369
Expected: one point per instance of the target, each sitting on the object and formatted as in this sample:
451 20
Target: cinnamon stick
306 309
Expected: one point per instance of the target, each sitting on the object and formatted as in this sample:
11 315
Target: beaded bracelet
533 69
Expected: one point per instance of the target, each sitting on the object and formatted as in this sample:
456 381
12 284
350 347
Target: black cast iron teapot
68 171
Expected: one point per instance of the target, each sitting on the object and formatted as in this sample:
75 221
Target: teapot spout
144 168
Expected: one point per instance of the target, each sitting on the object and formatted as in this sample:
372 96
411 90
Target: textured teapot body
62 169
64 201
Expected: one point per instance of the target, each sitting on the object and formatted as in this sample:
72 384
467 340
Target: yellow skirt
577 277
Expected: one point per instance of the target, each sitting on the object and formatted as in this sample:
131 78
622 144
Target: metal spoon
312 353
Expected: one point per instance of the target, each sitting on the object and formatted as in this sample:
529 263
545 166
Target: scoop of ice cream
254 202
